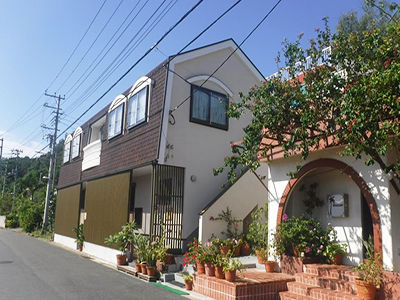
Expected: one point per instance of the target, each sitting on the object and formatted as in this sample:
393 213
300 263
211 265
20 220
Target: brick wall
134 147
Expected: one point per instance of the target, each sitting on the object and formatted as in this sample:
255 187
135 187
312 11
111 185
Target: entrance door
366 222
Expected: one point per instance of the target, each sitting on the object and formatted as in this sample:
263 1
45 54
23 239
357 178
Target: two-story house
135 160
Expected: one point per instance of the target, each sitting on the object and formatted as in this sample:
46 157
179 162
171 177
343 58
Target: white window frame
134 99
117 108
76 143
67 147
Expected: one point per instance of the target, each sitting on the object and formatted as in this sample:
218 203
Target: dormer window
67 149
116 116
76 143
138 107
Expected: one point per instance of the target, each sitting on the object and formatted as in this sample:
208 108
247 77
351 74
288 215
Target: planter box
292 264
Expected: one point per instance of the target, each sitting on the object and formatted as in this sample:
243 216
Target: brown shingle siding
134 147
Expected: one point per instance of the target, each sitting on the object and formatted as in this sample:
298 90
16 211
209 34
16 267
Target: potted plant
80 238
370 273
210 252
230 268
142 244
219 266
195 254
258 229
188 281
245 248
122 239
270 264
334 252
262 254
237 245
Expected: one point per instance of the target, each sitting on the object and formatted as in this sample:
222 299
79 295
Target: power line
229 56
135 64
99 81
73 52
95 40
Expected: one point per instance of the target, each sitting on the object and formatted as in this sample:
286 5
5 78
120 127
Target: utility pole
4 181
15 152
52 158
1 160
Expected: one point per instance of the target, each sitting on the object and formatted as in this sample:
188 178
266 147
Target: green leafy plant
123 238
231 264
186 277
333 249
371 269
303 233
311 200
80 237
232 224
142 244
258 228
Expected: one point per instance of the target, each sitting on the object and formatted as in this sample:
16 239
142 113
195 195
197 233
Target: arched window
76 142
138 101
67 149
116 116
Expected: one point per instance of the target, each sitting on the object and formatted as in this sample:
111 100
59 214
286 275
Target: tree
351 98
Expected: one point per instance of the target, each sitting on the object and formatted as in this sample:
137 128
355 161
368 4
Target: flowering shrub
195 253
303 233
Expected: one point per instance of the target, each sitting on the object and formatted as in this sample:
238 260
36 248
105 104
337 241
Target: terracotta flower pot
121 259
365 291
138 267
245 250
144 269
260 259
151 271
295 251
219 273
224 250
209 268
337 259
230 275
200 268
189 285
236 250
270 266
80 248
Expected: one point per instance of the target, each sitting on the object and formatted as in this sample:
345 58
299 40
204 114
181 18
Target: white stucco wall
241 198
349 229
373 176
143 200
2 221
196 147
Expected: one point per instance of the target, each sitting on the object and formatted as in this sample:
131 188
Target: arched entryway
351 173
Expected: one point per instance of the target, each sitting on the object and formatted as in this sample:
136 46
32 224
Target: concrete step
343 286
291 296
341 272
318 293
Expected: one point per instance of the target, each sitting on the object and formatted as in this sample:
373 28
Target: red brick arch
351 173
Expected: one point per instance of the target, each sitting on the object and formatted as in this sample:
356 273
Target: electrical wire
95 40
73 52
105 75
229 56
133 66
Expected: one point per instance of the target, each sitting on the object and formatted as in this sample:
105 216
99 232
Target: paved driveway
33 269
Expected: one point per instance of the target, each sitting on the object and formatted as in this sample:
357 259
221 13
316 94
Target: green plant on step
231 264
333 249
123 238
258 228
80 237
232 224
186 277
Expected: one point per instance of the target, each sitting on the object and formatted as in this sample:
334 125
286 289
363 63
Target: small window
139 217
208 108
76 143
115 121
137 107
67 152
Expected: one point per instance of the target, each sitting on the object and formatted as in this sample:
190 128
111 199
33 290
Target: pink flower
236 225
236 242
307 249
285 216
318 251
153 243
321 247
211 218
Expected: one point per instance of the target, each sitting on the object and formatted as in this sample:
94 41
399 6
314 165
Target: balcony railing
91 155
307 64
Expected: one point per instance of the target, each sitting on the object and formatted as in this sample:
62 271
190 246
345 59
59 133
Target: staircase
322 282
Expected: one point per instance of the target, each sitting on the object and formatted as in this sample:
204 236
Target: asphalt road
33 269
